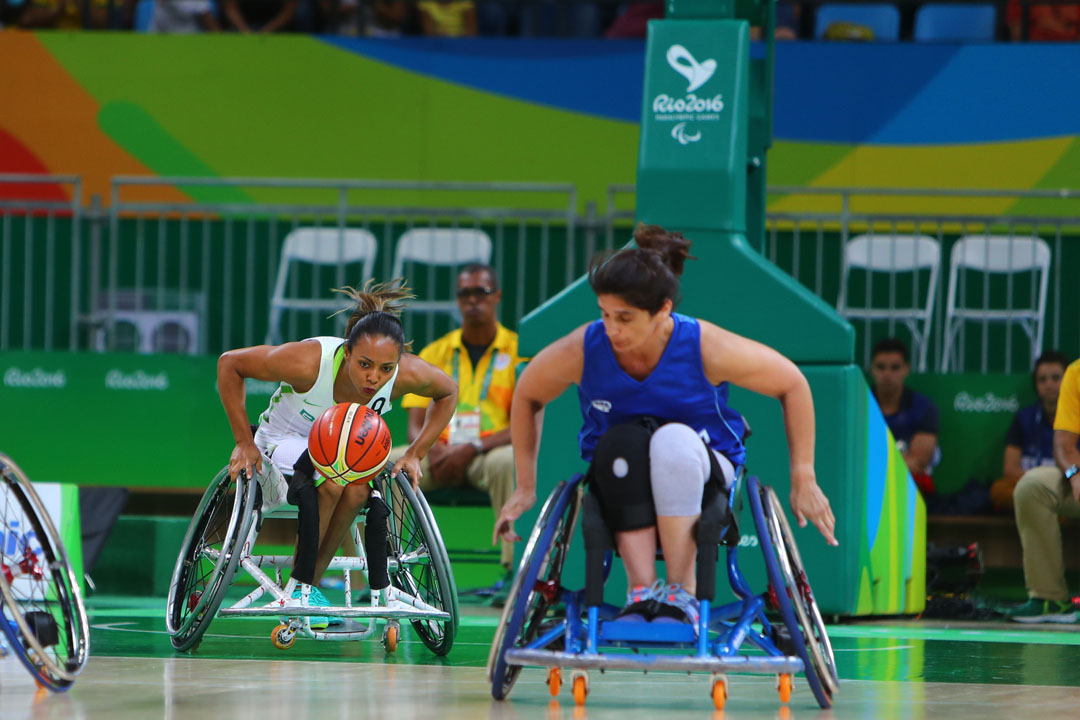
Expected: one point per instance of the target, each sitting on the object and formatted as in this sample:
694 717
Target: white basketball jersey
293 413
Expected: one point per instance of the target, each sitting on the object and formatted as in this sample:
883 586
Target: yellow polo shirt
497 370
1068 409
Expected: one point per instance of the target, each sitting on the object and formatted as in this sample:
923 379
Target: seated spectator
67 14
262 16
385 18
1043 495
632 22
1030 440
787 23
1046 23
447 18
184 16
911 416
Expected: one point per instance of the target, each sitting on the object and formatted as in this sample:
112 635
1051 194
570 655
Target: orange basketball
349 442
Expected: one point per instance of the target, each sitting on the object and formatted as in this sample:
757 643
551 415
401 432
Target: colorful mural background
938 116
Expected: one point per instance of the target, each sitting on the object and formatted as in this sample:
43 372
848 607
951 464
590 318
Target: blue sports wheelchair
777 631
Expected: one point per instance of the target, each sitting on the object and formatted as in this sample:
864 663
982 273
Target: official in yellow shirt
482 357
1043 494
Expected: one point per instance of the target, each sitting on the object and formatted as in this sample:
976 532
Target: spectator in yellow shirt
448 18
482 357
1043 494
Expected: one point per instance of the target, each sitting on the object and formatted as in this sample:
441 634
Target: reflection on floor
890 670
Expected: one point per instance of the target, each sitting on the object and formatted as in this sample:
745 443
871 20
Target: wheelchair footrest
638 631
644 661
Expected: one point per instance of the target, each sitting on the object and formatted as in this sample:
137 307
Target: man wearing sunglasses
911 416
482 357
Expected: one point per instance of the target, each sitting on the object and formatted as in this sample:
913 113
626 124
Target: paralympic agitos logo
691 107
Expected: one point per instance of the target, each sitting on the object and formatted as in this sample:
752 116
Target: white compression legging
679 467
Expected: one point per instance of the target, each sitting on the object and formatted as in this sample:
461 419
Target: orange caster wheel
554 681
719 691
783 686
391 637
282 637
580 684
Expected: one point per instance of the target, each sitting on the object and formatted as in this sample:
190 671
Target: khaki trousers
492 472
1040 497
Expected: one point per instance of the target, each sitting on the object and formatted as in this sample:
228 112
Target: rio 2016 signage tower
706 126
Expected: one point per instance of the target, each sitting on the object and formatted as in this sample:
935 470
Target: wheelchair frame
57 652
528 635
413 541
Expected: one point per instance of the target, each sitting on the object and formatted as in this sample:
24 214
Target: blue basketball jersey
675 391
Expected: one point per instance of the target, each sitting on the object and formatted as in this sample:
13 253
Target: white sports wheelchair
220 540
42 617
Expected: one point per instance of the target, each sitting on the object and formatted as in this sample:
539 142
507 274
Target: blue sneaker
641 602
316 599
677 605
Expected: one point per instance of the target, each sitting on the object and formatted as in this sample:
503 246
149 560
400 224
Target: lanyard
487 376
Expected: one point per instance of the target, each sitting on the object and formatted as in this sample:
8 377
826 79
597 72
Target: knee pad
375 542
620 477
679 467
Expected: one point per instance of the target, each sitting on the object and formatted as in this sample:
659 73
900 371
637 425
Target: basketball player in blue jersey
642 363
371 366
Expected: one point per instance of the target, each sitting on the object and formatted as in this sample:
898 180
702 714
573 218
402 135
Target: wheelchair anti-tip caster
579 683
719 690
784 685
554 681
283 636
391 635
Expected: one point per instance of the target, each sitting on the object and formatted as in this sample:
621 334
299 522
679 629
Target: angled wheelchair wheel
536 584
209 557
42 616
423 565
791 589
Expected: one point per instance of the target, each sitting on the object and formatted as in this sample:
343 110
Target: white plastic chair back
319 246
440 247
1002 255
895 254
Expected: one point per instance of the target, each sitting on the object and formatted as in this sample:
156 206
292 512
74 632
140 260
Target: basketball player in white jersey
371 366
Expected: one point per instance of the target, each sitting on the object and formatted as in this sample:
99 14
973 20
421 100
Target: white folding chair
440 246
895 254
1001 255
318 246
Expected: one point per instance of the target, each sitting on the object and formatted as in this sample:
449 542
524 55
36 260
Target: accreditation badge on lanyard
466 423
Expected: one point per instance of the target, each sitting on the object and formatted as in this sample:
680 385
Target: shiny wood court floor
888 670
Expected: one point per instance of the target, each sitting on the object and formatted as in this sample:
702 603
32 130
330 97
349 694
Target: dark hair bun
672 247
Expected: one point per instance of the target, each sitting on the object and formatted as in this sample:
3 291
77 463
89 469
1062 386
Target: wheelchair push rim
199 580
35 588
774 546
423 568
514 627
804 604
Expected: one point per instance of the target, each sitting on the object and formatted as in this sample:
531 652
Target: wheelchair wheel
209 557
424 572
536 583
791 589
41 607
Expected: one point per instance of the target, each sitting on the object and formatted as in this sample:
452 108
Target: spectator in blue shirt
1030 440
911 416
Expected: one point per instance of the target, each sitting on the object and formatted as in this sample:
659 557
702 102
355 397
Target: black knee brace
375 542
620 475
303 495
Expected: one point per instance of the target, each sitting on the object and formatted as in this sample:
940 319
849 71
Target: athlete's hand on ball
245 457
809 503
518 503
410 464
